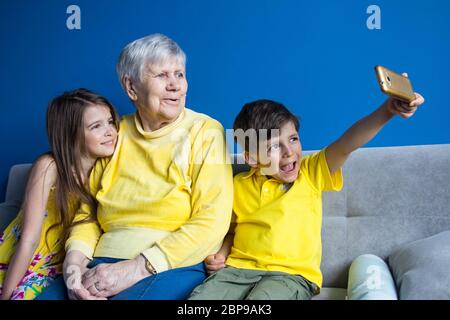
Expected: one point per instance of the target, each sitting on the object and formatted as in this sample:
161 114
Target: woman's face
100 133
161 95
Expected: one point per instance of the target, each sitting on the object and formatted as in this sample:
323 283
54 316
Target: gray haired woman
164 197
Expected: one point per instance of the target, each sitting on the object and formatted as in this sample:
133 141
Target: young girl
81 127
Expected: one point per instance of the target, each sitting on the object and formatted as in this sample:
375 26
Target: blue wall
316 57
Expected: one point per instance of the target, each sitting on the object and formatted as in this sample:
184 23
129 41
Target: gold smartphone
394 84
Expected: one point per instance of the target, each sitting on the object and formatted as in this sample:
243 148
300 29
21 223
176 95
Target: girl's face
100 133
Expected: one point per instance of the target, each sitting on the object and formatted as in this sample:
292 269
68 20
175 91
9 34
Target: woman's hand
74 268
109 279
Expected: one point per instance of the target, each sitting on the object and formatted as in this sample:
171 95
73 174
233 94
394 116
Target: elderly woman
164 197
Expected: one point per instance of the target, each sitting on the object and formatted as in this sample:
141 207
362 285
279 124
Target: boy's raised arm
366 128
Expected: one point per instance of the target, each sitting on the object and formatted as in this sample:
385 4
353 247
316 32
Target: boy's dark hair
263 114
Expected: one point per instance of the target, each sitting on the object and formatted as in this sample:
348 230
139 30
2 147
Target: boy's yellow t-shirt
279 230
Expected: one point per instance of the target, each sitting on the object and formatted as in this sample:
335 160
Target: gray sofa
391 196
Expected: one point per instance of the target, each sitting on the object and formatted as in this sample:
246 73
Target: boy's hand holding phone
403 108
403 101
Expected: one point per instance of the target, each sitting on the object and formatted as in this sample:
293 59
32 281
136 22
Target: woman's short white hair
151 49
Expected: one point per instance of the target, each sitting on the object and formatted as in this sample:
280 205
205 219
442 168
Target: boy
273 249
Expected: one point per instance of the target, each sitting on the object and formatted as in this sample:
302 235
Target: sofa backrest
17 182
18 176
391 196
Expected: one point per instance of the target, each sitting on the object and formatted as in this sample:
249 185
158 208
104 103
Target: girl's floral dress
47 261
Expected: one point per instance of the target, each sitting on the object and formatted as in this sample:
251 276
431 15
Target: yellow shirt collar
160 132
254 171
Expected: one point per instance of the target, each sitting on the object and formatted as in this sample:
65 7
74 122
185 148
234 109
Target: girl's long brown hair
65 131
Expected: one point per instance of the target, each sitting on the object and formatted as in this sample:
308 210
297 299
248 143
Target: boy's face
282 156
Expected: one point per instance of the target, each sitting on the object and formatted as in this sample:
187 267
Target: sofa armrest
8 211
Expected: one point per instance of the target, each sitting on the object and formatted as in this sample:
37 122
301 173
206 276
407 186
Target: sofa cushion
421 268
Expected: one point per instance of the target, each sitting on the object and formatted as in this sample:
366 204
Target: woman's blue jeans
175 284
